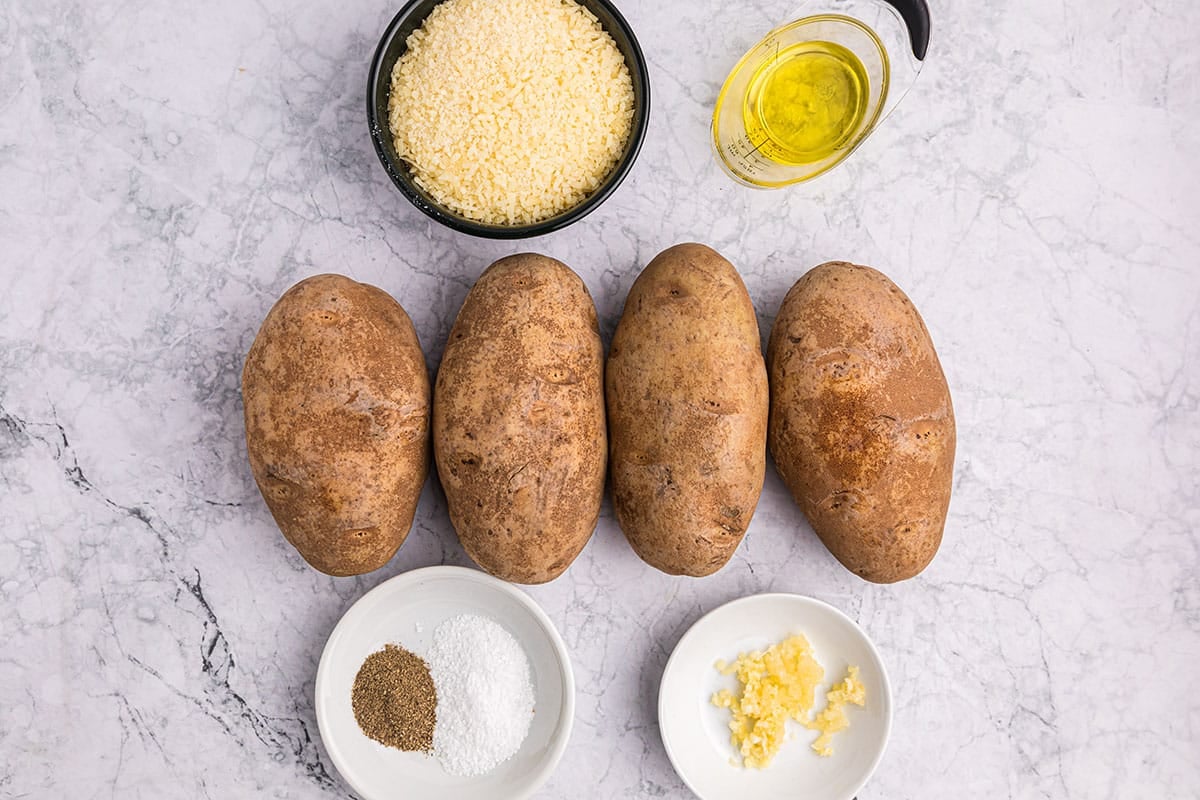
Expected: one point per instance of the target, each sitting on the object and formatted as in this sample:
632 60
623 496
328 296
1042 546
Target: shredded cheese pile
510 113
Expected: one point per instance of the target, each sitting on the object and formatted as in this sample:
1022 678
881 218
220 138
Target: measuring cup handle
915 14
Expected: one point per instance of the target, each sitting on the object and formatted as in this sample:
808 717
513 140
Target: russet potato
336 396
862 426
518 419
687 396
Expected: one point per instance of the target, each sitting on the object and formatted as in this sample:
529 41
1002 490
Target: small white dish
696 733
407 610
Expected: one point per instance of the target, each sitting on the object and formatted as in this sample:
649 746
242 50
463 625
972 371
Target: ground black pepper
394 700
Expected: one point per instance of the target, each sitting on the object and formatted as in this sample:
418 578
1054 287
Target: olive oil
801 100
806 103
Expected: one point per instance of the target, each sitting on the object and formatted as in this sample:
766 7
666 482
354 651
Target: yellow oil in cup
806 104
805 97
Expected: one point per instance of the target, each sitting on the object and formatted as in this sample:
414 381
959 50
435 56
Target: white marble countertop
168 169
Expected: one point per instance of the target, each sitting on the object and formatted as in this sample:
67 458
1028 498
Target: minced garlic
833 718
776 685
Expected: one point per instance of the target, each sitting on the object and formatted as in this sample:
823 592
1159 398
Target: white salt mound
484 691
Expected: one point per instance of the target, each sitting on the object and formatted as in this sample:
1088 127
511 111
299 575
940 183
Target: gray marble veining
168 169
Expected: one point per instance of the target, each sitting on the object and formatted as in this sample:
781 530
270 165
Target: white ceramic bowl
696 734
406 610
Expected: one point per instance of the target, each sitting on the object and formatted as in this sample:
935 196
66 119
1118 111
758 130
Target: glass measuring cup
807 95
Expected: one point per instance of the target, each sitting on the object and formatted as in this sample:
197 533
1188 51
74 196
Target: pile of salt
485 694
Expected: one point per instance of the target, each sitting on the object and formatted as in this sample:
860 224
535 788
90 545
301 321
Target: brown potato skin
862 425
518 419
336 396
687 405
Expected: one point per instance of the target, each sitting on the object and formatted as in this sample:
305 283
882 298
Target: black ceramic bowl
392 46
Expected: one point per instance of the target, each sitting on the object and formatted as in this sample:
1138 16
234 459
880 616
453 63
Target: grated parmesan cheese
510 112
